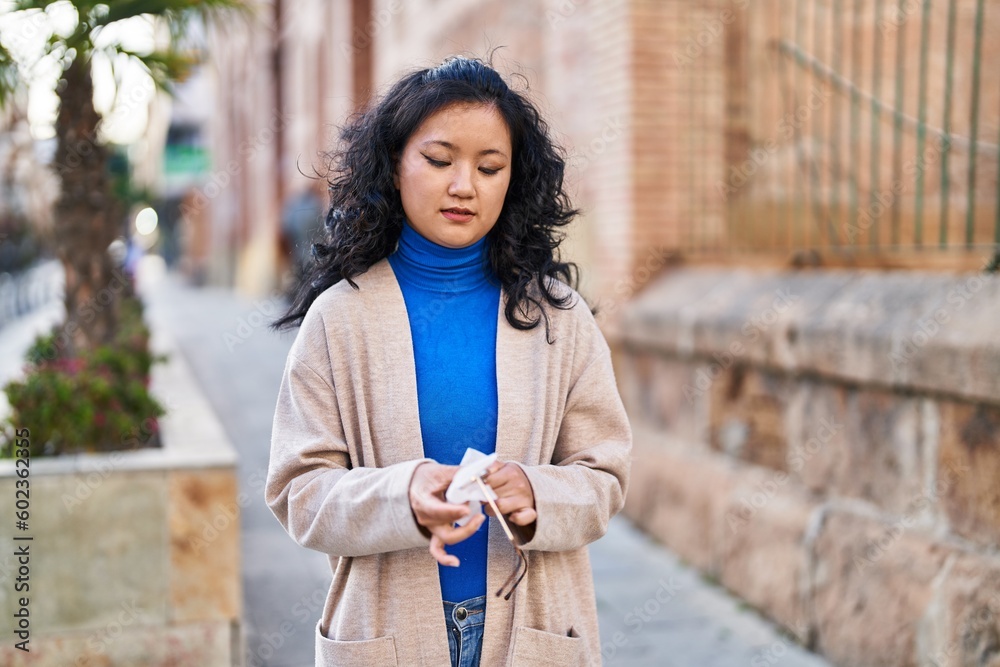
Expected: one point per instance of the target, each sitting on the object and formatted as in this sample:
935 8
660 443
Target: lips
458 214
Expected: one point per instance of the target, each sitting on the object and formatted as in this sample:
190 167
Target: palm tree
87 216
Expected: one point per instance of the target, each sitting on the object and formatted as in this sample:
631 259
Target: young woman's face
458 158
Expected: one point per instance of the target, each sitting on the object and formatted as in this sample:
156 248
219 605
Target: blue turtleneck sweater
452 299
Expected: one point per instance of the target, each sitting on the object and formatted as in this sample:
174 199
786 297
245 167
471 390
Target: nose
461 184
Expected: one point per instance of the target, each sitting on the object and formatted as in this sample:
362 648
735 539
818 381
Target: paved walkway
653 610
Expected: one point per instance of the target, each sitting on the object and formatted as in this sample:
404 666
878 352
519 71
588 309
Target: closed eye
439 163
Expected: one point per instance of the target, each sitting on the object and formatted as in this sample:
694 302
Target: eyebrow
487 151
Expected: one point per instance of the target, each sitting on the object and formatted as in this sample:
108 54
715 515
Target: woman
437 317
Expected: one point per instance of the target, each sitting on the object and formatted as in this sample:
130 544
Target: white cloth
464 489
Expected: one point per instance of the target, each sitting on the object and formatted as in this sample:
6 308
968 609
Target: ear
395 171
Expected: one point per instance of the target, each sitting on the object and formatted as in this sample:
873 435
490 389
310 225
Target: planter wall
135 556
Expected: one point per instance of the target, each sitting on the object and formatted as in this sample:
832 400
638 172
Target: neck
437 268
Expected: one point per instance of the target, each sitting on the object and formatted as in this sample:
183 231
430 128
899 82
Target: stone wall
135 555
827 445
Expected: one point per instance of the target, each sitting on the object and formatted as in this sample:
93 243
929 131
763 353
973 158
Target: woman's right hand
434 515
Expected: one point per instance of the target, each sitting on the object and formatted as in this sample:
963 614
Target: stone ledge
917 331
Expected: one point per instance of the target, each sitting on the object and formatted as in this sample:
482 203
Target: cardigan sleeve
585 483
318 497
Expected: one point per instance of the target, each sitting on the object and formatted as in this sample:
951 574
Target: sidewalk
653 610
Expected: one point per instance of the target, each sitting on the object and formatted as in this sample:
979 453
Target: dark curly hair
365 217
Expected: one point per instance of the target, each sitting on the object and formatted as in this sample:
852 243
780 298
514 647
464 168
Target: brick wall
687 125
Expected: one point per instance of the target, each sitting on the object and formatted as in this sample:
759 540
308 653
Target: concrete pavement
654 611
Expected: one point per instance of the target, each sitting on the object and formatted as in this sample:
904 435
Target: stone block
764 559
664 392
952 345
751 318
868 314
864 444
683 410
679 497
871 584
98 545
204 525
802 344
969 470
962 623
668 310
635 377
746 415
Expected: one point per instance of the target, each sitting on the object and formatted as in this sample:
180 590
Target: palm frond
126 9
173 11
176 15
10 76
164 67
25 5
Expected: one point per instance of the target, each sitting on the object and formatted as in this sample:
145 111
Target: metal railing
853 128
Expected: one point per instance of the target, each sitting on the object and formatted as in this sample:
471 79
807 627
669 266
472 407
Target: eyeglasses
518 574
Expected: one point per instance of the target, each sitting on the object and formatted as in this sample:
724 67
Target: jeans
465 622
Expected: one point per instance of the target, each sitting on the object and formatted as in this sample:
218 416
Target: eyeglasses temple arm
503 524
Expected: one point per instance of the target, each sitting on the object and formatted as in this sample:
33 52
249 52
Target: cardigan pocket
379 652
536 648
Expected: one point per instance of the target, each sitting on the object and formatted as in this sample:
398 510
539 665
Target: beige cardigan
345 443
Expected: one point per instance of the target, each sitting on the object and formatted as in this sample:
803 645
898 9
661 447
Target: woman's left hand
515 499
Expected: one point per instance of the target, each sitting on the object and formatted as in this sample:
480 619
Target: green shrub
99 401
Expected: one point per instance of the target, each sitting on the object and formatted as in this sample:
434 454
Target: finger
506 480
451 535
434 478
440 555
523 517
500 488
512 504
495 477
443 477
430 510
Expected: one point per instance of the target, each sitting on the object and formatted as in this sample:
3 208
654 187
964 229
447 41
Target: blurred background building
729 130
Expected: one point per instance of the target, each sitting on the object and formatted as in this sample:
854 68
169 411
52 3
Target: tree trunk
84 226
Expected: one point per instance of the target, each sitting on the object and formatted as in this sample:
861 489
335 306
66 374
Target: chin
458 238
